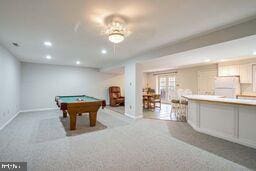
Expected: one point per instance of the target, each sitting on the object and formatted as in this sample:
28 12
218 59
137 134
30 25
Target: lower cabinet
235 123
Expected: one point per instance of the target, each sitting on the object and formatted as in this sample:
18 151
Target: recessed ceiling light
47 43
222 60
207 60
48 57
103 51
78 62
15 44
254 52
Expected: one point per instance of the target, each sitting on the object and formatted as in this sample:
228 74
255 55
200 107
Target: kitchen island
226 118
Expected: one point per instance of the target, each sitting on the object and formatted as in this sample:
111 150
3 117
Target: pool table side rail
64 105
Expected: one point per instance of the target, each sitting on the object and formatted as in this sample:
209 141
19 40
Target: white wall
151 80
9 86
144 79
133 90
40 83
186 78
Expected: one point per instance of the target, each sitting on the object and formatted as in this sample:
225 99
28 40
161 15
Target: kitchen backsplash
247 89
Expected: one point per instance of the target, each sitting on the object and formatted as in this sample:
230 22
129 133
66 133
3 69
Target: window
166 87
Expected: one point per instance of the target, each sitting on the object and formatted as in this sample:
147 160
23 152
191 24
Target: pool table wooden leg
72 117
93 118
64 113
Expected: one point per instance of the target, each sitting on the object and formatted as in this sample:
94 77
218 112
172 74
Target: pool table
76 105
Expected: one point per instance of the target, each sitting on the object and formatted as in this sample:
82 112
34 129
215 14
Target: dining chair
157 100
145 102
151 102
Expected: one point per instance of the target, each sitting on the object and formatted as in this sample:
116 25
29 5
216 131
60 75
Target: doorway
166 87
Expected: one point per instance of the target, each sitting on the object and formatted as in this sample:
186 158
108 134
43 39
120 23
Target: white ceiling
74 27
233 50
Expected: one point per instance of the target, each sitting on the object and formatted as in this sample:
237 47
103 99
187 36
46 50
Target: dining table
147 96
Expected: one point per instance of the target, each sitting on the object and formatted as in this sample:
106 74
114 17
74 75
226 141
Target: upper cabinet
242 70
245 71
228 70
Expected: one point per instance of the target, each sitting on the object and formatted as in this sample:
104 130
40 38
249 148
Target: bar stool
175 107
184 109
184 104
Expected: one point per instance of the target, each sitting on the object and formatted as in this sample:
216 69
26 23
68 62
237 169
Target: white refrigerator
227 87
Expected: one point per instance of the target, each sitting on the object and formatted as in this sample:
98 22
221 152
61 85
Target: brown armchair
115 96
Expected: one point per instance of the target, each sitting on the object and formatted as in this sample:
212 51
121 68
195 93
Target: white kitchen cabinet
222 71
228 70
245 72
226 118
242 70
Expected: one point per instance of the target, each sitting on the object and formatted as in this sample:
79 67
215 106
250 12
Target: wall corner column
133 90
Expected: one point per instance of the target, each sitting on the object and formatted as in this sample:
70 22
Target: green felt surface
70 99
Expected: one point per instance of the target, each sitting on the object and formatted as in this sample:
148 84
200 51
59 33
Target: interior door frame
167 86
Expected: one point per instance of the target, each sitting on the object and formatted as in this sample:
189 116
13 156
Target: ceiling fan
116 29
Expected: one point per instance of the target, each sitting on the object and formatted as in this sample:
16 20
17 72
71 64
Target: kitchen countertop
221 99
246 95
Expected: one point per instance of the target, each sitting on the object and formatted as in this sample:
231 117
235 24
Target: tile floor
163 114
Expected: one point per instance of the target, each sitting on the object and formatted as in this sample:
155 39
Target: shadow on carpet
231 151
82 125
47 130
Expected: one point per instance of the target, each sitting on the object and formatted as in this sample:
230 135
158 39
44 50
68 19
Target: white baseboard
23 111
14 116
37 110
110 111
133 117
128 115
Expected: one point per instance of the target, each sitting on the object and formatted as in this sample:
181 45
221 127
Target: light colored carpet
118 109
123 144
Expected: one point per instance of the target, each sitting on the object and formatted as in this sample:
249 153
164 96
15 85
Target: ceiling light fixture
254 52
78 62
48 57
116 37
15 44
103 51
47 43
207 60
116 30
